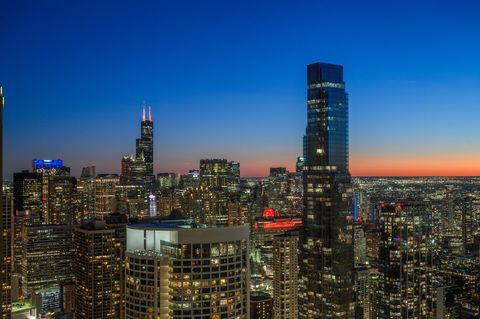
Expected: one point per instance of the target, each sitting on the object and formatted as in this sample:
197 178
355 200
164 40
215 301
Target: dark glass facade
144 145
326 249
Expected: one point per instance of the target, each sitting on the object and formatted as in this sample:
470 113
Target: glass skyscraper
144 147
326 246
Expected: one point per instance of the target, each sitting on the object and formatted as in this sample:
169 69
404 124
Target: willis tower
144 147
326 249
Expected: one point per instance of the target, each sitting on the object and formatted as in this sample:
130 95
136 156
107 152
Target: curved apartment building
177 269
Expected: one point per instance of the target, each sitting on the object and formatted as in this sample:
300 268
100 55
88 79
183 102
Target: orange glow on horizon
415 166
449 165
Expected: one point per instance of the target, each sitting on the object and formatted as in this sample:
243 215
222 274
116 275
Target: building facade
95 260
285 276
326 254
206 276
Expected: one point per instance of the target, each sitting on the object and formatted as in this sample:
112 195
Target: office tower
360 245
6 209
61 200
468 228
133 170
191 179
285 276
326 254
237 213
47 258
50 189
214 177
133 188
166 181
118 223
261 306
233 180
95 270
5 233
362 293
27 193
206 274
86 193
372 240
250 195
277 189
295 193
214 173
405 272
105 190
144 147
167 200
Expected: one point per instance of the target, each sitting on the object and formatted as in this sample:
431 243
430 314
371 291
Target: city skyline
241 94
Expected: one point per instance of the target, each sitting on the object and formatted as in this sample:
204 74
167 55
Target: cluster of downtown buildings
313 243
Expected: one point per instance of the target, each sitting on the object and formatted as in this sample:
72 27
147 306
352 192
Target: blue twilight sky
227 79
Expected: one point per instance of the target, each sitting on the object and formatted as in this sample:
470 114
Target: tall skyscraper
46 259
95 271
86 194
215 175
405 264
144 146
277 189
326 254
5 250
105 190
49 190
285 276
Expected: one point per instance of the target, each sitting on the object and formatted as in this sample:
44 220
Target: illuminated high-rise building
118 223
6 208
360 245
362 293
95 271
47 258
6 215
133 170
27 193
285 276
178 269
86 194
405 262
326 254
105 190
214 177
277 189
261 306
50 189
144 147
191 179
166 181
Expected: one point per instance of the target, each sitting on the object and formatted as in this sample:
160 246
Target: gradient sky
227 79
